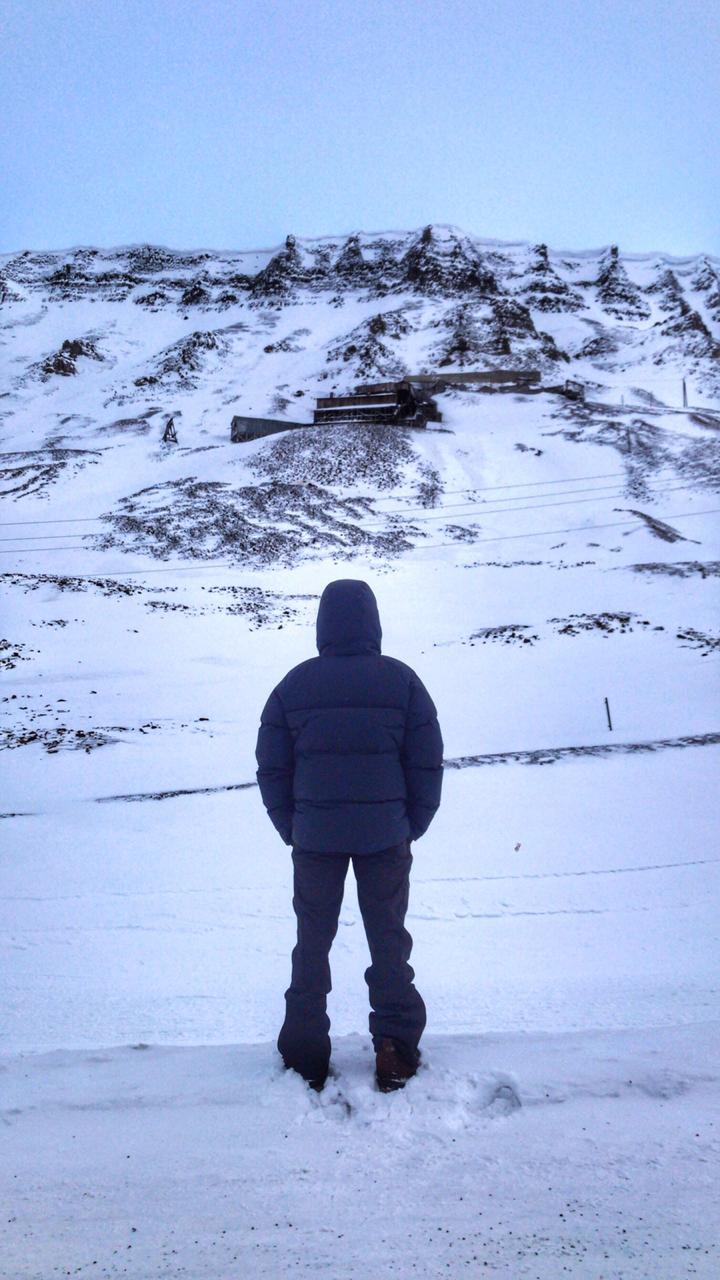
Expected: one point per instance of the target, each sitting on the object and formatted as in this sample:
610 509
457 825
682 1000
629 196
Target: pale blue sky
228 123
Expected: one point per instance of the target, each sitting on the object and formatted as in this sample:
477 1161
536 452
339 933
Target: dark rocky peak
468 339
667 281
384 271
545 290
291 342
7 292
667 289
64 361
76 279
183 359
616 291
598 348
76 347
688 325
513 321
321 264
196 294
541 261
86 256
226 298
112 286
440 262
155 299
707 280
706 277
284 272
682 320
65 275
149 259
350 265
367 350
29 268
514 318
390 324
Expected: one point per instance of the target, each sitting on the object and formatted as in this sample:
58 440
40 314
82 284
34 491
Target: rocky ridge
468 301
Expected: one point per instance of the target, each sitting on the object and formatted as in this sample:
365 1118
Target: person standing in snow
349 757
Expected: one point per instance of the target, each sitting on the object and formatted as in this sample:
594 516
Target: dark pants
398 1011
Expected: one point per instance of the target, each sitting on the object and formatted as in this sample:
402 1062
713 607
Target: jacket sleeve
422 756
276 765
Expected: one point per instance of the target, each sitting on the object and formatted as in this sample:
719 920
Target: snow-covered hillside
532 557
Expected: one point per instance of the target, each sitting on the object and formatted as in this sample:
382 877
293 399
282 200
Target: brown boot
392 1070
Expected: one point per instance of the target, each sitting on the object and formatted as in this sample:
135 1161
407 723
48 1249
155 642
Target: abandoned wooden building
407 402
404 403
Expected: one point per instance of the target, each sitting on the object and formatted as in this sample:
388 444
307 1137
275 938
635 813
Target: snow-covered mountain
159 323
550 569
98 346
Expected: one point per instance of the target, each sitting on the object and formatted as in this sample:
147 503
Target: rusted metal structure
495 379
243 428
574 390
407 402
570 388
404 403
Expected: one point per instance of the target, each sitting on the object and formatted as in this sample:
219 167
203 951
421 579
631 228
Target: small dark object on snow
392 1070
170 434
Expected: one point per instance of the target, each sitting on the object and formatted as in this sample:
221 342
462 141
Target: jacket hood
348 620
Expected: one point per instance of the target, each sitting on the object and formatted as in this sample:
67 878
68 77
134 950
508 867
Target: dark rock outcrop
182 360
446 267
366 348
616 292
503 330
544 289
64 361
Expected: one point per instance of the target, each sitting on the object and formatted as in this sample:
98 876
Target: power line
490 511
40 537
429 546
493 488
27 551
12 524
530 484
606 492
581 528
449 493
380 525
513 497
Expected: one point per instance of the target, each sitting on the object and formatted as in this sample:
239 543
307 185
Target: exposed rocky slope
206 335
415 299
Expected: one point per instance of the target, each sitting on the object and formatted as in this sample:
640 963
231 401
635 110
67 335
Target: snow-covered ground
207 1162
531 560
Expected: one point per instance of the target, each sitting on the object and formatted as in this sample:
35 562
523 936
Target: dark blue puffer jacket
349 750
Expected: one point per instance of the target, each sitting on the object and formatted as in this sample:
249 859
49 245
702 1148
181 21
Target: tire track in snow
546 755
551 754
562 875
543 756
